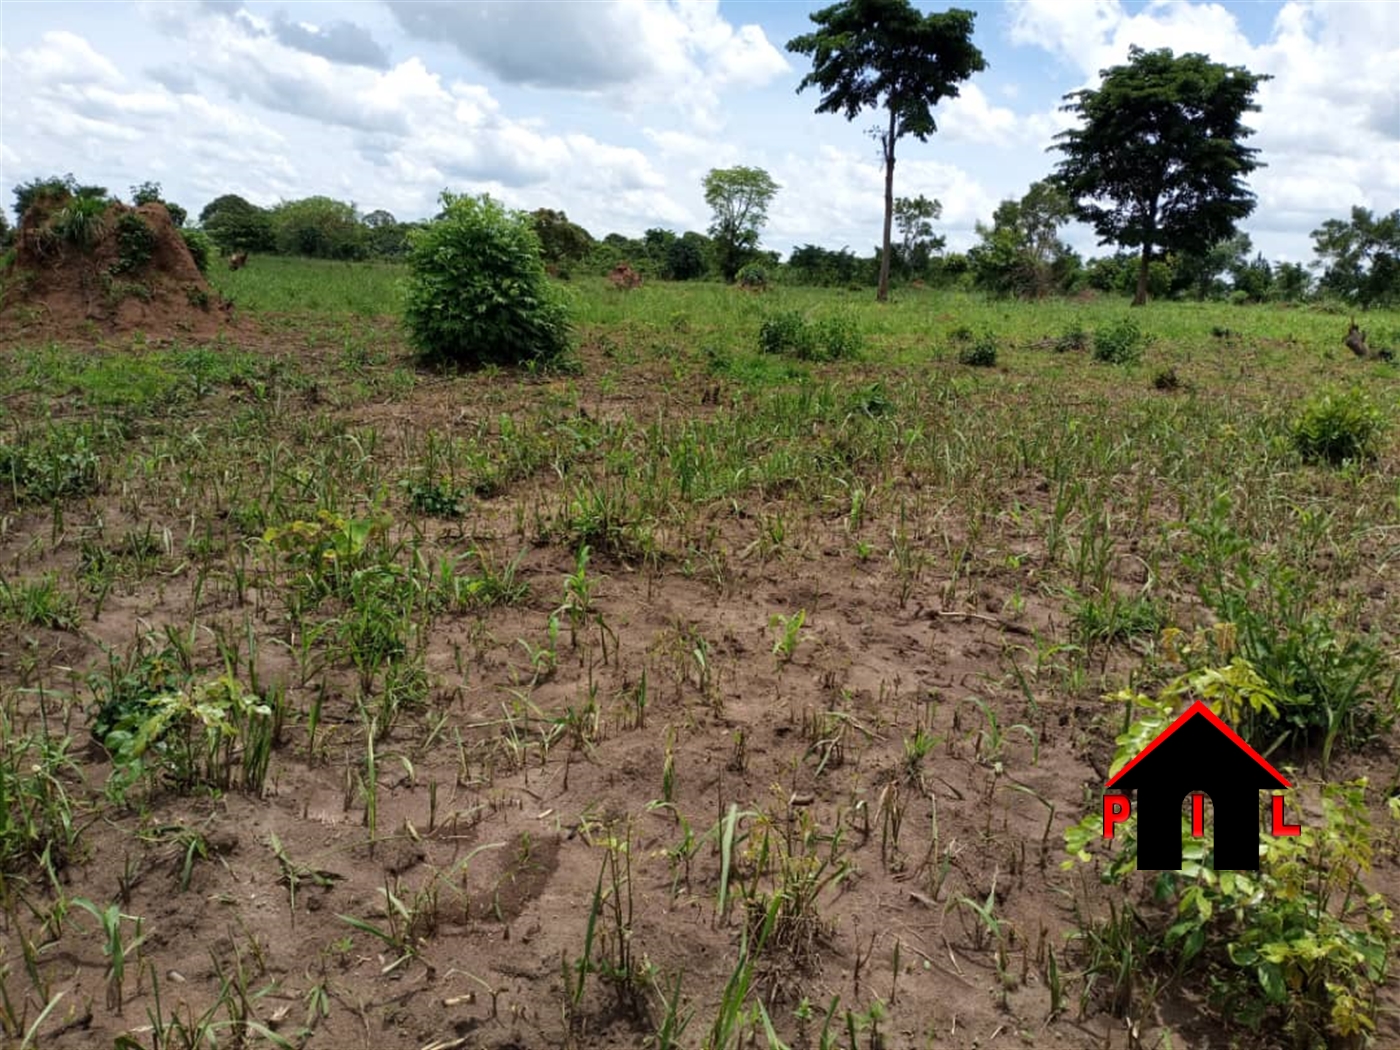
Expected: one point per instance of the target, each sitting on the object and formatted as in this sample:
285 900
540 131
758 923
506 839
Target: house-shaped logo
1199 755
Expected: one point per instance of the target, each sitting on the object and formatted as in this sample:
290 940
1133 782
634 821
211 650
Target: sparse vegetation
774 634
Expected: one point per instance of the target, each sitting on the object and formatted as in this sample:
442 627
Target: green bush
136 243
839 338
752 276
1121 343
786 333
1301 945
980 352
1333 427
791 334
478 292
201 247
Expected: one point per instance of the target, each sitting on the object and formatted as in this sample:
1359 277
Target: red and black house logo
1197 755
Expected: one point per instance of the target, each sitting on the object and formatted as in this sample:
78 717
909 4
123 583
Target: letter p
1116 809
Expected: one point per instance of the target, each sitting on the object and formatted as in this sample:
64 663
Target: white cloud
65 58
633 52
838 198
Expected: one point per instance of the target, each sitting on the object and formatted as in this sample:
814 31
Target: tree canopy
236 225
915 217
739 198
1158 161
1360 257
1021 253
885 54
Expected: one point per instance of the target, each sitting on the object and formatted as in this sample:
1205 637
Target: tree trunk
883 292
1140 299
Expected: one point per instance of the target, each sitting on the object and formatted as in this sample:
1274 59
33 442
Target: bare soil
505 841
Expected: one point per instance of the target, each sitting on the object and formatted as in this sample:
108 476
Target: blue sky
614 109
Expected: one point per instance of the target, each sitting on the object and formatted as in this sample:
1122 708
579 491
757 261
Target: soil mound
83 270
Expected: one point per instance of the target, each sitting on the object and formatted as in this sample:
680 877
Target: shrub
1121 343
752 276
789 333
79 222
136 243
839 338
1301 944
201 247
1333 427
980 353
478 292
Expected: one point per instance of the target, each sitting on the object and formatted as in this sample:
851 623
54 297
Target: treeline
1019 254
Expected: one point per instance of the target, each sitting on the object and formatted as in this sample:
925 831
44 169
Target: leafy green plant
980 352
60 462
1119 343
1302 943
1327 685
214 733
136 243
478 292
201 247
1332 427
790 632
436 498
789 333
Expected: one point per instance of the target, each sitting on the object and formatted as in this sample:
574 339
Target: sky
613 110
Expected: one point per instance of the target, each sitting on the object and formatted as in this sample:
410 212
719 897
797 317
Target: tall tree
1158 161
885 54
915 217
1021 253
1360 258
739 198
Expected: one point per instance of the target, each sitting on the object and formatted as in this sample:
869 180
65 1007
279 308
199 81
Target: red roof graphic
1199 708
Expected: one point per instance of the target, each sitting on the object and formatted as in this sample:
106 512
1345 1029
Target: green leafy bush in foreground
1300 945
1333 427
478 292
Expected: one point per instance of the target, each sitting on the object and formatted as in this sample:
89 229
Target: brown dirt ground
510 850
57 291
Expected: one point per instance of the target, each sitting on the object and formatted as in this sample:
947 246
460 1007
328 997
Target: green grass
309 562
273 284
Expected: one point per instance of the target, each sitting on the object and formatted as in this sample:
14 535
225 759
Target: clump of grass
80 221
1333 427
1119 343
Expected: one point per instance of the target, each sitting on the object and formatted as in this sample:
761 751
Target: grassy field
691 696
